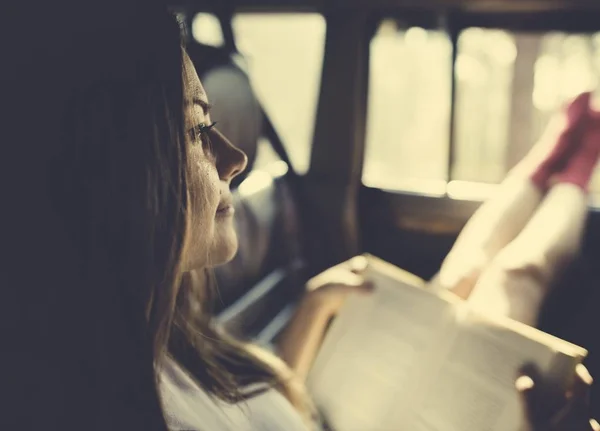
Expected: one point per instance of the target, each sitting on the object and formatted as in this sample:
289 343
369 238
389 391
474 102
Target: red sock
580 167
565 146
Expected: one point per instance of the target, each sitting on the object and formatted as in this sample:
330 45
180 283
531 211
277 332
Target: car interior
385 123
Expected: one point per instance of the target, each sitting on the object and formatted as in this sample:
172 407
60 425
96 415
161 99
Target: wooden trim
338 149
465 5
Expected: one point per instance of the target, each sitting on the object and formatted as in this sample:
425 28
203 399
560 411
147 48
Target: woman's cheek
204 199
207 192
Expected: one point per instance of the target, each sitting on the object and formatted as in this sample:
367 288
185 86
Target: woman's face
214 162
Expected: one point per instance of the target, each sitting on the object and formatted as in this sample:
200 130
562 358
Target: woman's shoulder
188 406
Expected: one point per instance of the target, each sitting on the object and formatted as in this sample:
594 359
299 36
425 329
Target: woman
126 191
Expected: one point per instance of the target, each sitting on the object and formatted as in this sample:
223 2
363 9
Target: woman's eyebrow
202 103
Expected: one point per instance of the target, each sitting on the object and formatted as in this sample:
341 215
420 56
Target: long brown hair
222 364
121 186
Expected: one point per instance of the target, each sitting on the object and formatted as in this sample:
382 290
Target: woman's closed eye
200 134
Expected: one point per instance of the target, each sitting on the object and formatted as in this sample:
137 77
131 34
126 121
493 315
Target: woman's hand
547 410
328 291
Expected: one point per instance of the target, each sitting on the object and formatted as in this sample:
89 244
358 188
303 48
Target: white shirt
188 407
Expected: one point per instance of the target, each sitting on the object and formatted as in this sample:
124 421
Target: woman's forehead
193 87
196 101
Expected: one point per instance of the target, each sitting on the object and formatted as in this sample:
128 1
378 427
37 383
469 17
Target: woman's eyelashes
200 134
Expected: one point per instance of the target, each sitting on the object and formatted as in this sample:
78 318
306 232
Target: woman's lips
225 210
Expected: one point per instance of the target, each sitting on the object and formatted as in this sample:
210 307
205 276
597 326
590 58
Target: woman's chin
224 249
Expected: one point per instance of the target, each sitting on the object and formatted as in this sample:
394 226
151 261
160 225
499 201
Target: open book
408 359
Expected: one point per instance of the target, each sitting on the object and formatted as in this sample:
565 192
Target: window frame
450 16
453 22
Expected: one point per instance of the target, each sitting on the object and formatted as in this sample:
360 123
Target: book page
474 388
375 354
405 358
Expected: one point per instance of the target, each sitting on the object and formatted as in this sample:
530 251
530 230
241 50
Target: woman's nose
231 161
